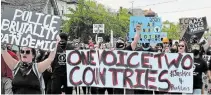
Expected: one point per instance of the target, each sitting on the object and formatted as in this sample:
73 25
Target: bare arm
137 37
42 66
209 74
9 60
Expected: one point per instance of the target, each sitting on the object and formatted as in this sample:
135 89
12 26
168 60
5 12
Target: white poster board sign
98 28
100 39
169 72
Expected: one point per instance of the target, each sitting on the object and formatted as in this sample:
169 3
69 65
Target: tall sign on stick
98 28
112 39
192 26
151 29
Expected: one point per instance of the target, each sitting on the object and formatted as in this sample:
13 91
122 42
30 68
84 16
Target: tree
87 13
172 31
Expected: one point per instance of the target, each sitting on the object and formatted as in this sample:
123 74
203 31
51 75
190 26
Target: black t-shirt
59 63
200 66
149 50
138 49
129 47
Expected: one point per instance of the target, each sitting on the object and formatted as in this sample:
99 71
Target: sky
166 10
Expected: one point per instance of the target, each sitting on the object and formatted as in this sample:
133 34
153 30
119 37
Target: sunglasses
165 43
181 45
25 51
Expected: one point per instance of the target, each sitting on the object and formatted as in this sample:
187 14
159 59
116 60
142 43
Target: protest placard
99 39
150 26
170 72
197 25
183 22
98 28
192 26
29 29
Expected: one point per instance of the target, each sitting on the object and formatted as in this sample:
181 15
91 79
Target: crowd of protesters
36 71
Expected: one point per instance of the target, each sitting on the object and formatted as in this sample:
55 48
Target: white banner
170 72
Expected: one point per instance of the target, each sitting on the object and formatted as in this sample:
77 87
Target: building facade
41 6
64 5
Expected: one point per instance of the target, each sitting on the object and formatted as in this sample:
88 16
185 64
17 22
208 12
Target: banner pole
124 91
77 90
111 39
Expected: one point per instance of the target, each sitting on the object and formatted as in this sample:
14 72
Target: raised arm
42 66
137 36
9 60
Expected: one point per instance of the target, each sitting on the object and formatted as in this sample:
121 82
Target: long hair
39 57
34 54
33 51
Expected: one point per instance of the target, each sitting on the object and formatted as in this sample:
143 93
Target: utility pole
132 6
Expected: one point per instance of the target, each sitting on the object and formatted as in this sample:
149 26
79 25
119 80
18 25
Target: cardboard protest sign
98 28
183 22
150 26
99 39
193 26
170 72
197 25
29 29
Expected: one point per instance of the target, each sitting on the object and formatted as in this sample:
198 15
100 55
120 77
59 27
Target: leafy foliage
172 31
87 13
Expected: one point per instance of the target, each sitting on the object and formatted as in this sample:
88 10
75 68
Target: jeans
57 82
195 92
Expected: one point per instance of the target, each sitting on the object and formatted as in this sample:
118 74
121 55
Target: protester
174 49
6 74
59 73
159 47
182 47
120 45
208 52
102 90
166 47
41 56
27 74
77 89
200 66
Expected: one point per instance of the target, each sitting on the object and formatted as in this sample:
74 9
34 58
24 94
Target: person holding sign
27 73
166 47
132 47
6 74
59 73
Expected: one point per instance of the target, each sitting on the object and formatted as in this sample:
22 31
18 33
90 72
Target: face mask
63 44
25 68
195 52
120 45
195 49
173 50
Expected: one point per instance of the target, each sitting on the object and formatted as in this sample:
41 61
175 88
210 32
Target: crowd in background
54 71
